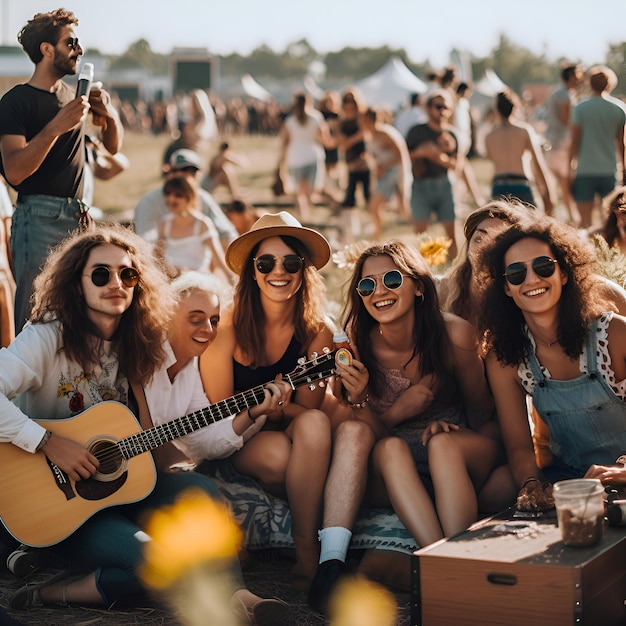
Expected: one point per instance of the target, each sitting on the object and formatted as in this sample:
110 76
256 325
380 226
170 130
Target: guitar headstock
314 371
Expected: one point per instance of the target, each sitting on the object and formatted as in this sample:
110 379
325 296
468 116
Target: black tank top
246 377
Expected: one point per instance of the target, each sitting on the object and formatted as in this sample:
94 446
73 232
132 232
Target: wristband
252 419
359 405
44 440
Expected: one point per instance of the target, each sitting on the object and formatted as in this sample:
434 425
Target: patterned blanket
266 520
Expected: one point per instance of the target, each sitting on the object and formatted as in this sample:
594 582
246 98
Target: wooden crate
509 572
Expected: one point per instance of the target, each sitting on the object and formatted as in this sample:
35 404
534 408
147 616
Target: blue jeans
107 542
39 224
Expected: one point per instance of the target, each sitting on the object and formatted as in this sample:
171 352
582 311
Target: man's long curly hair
431 341
248 314
57 295
44 27
502 323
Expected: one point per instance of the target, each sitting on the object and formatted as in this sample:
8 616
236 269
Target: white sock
335 541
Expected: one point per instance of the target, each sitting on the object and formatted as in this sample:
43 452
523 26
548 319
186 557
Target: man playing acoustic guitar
100 309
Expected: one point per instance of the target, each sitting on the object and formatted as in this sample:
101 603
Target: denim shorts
306 173
586 188
432 195
387 184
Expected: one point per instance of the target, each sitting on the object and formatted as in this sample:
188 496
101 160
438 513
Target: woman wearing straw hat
277 317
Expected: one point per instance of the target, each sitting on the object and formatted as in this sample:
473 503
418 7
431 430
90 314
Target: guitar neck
309 373
156 436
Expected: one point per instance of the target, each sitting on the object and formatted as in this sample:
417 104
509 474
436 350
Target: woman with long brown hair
276 318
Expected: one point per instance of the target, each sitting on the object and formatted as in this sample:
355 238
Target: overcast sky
426 29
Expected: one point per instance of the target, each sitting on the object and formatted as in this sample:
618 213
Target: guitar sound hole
108 453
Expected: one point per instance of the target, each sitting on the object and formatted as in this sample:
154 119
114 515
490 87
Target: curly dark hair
44 27
57 296
502 323
248 314
431 340
458 297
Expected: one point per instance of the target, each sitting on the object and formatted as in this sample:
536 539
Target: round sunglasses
291 263
101 276
392 279
543 266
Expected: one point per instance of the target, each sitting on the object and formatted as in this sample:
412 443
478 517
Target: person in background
558 133
508 145
433 151
151 207
187 239
412 116
597 151
392 168
242 215
42 147
222 170
175 390
101 306
351 143
303 135
276 318
551 334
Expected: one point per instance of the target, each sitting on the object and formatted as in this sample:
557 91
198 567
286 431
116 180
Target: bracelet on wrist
252 419
361 404
44 440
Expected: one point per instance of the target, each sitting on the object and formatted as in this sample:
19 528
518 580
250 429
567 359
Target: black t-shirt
422 133
25 110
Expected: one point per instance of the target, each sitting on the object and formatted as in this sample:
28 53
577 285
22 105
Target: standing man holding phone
42 150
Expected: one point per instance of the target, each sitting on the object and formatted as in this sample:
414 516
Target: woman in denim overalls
552 336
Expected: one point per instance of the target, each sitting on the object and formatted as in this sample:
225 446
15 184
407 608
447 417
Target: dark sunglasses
72 43
543 266
101 276
393 279
439 107
292 263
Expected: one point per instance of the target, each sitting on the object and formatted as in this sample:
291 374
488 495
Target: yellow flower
435 251
193 531
64 390
361 602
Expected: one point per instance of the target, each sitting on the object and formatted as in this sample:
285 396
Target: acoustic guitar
40 505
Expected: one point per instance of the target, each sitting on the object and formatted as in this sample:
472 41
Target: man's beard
64 65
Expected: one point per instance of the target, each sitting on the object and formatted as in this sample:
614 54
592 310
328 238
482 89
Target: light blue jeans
39 223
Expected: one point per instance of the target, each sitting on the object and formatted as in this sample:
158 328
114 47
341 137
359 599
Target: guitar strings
134 441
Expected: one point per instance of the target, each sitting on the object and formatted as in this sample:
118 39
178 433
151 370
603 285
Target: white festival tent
391 86
253 89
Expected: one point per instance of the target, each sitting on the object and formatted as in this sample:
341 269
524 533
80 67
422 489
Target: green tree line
515 64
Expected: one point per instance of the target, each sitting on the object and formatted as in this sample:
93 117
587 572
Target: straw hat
274 225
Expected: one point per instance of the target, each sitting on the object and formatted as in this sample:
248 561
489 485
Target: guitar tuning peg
301 360
321 384
325 350
314 355
312 386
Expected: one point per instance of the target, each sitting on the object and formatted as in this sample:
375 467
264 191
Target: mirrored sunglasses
393 279
291 263
101 276
543 266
